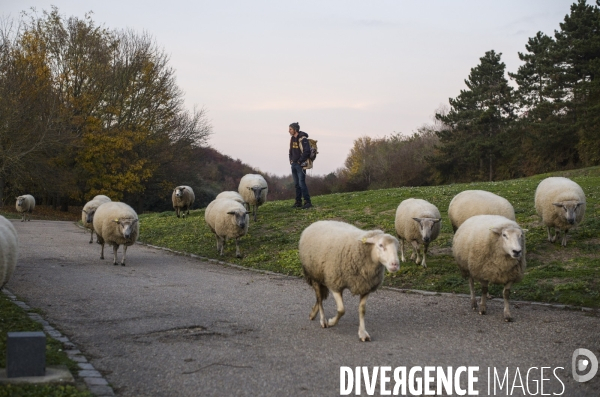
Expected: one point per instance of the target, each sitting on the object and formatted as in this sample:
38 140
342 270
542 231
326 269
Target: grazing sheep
25 205
235 196
490 249
417 222
253 189
477 202
561 204
336 255
88 211
227 219
9 250
183 197
116 223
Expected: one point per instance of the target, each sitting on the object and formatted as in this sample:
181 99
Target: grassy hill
568 275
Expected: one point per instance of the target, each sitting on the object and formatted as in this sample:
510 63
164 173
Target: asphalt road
169 325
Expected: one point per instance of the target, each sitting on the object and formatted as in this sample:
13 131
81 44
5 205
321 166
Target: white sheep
490 249
561 204
336 255
417 222
253 189
227 219
235 196
88 211
116 223
183 197
477 202
25 205
9 250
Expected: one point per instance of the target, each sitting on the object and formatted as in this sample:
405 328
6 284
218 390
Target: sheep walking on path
25 205
88 211
253 189
490 249
116 224
417 222
561 204
9 250
337 256
227 219
183 198
477 202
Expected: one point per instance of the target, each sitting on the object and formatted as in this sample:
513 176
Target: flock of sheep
488 244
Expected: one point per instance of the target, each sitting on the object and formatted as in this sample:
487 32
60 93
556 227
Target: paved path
168 325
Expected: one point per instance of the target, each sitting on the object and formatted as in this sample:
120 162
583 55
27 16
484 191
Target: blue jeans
299 176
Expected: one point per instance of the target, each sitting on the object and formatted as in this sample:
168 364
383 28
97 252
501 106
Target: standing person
298 156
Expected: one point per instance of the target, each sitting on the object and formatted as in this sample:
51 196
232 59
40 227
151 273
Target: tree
477 124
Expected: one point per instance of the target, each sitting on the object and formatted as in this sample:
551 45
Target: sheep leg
506 295
102 250
254 211
115 248
321 294
339 301
484 293
415 245
177 211
473 298
402 249
124 255
564 239
362 309
553 238
237 248
425 246
92 236
222 242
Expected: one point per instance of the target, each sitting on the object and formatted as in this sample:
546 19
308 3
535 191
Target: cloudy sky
341 68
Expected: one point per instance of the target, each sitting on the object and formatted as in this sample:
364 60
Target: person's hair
295 126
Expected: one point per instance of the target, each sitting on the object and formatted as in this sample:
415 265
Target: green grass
15 319
555 274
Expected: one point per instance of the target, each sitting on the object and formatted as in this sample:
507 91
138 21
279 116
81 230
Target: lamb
561 204
227 219
490 249
235 196
477 202
25 205
9 250
417 222
253 189
116 223
183 197
336 255
88 211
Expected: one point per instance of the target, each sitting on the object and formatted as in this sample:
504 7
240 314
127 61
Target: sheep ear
249 188
116 221
370 240
497 230
524 230
418 220
247 212
231 212
557 204
134 222
437 220
84 211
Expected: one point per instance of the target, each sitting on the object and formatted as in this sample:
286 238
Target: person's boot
306 205
297 204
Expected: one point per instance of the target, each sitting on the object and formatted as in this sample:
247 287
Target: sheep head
426 227
126 226
257 190
179 191
240 218
384 249
569 209
512 240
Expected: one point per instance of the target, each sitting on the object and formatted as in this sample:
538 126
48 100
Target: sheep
477 202
336 255
227 219
88 211
235 196
561 204
116 223
183 197
490 249
253 189
25 205
417 222
9 250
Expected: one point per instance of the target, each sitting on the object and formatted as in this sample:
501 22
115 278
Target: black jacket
297 156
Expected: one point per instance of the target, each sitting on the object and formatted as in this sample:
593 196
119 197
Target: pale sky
342 69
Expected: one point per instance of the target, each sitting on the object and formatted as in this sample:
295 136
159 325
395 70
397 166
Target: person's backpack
313 152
